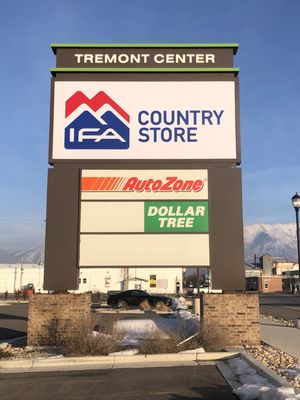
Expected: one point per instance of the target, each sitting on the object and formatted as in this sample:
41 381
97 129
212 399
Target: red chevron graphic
94 103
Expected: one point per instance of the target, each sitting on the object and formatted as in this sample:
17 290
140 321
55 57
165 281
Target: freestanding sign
144 143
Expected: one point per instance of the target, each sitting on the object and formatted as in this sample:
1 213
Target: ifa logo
95 123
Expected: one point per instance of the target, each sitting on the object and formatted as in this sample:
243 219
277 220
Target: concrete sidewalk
284 338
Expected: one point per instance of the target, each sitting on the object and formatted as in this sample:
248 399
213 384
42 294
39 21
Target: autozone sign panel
144 184
144 120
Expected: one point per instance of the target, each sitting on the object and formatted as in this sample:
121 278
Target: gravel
280 362
10 351
277 321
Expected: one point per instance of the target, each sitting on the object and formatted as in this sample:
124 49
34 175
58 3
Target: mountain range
278 240
31 256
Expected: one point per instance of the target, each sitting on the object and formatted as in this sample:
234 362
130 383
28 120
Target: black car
135 298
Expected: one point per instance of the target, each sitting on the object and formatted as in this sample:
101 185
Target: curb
260 368
265 372
110 362
228 375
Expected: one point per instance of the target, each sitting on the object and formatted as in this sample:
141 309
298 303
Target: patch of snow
193 351
292 372
179 303
256 387
128 341
138 328
182 322
268 392
96 334
185 314
130 352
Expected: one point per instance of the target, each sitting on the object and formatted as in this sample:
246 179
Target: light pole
296 204
15 276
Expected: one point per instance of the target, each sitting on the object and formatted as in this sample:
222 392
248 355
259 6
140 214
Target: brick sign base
54 317
231 319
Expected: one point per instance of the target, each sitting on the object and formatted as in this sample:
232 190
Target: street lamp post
296 204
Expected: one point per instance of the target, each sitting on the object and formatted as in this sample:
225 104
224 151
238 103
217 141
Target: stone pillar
230 319
54 317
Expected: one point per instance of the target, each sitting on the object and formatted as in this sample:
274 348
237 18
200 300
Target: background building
285 267
260 276
15 277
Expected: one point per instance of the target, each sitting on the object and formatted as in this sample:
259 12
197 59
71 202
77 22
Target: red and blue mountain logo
95 123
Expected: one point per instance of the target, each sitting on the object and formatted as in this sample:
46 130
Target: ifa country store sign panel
148 218
144 120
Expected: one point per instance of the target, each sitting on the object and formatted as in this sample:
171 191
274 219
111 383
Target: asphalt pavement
282 305
163 383
13 320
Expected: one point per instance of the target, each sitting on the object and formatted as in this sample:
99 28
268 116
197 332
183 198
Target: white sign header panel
144 120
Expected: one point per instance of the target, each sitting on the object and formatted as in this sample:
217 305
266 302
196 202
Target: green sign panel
176 216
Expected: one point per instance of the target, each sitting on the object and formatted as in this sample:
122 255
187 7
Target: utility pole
21 274
296 204
15 279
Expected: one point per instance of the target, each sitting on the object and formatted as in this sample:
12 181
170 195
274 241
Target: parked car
135 298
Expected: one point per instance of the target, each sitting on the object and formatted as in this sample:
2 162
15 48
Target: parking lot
168 383
13 320
13 317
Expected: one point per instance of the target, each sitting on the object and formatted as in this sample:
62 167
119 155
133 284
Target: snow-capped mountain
278 240
6 257
33 256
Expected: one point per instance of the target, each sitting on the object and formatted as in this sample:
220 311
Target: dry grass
83 342
57 331
144 305
157 343
75 338
161 306
86 344
210 339
104 323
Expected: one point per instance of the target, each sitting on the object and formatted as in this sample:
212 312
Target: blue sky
269 58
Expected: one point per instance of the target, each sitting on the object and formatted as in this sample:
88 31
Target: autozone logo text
134 184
